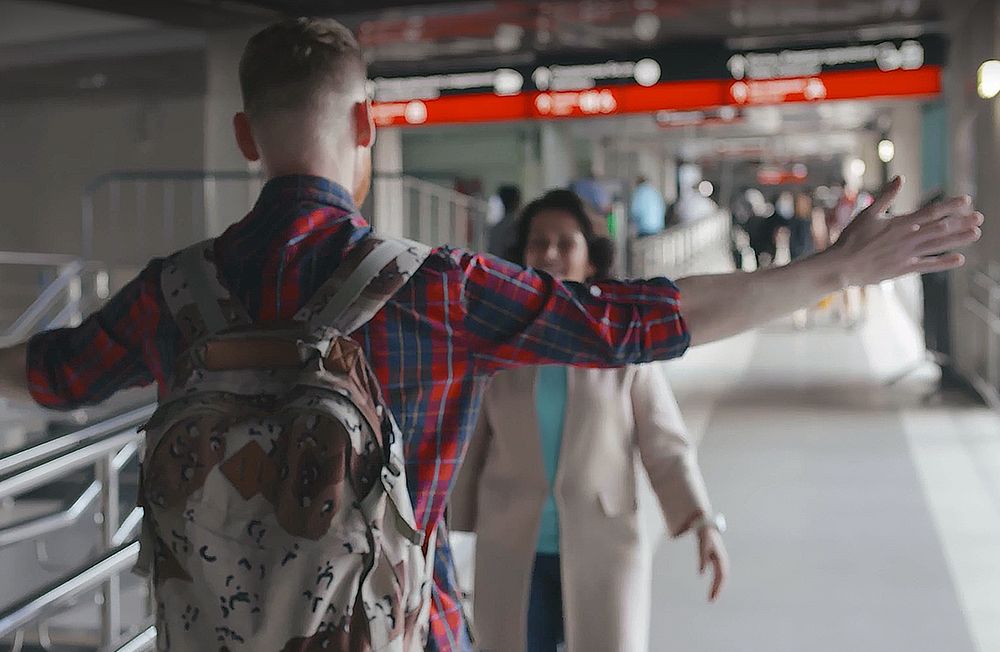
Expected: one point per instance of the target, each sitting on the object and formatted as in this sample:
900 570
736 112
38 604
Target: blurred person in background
569 477
647 210
592 190
502 234
762 228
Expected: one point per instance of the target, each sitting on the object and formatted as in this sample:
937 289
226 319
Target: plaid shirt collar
294 204
305 188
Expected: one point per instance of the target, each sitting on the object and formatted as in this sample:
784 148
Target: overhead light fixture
989 79
646 26
858 168
886 150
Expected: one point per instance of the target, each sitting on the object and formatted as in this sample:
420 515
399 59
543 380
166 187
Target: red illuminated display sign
664 96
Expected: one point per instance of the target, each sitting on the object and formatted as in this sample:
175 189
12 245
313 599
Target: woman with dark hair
570 476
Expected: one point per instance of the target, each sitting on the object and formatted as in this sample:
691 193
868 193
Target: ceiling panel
406 30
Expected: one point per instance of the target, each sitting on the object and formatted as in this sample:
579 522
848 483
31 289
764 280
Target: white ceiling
23 21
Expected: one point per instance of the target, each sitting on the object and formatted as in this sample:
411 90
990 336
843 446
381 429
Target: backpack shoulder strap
347 302
199 302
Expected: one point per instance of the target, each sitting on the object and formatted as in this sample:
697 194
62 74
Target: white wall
495 156
51 150
222 102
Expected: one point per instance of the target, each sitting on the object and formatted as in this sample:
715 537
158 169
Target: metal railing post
74 299
109 517
993 339
168 214
424 217
87 227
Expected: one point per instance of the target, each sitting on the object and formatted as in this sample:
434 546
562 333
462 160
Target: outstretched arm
872 249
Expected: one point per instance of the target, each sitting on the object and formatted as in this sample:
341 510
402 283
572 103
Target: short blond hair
295 63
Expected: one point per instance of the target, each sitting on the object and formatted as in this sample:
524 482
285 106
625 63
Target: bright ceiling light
989 79
706 188
858 168
886 150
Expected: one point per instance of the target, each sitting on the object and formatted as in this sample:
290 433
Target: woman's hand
712 551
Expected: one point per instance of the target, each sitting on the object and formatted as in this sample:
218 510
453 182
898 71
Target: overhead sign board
666 80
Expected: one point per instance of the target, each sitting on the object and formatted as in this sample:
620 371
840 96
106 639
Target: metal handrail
38 527
69 280
52 598
145 176
172 175
107 447
21 328
72 441
672 251
989 313
35 259
45 472
142 642
440 191
33 528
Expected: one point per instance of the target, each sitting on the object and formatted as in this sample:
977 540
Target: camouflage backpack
276 511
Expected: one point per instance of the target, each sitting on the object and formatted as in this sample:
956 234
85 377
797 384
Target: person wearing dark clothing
800 240
504 233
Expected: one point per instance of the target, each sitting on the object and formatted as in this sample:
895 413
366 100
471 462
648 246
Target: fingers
885 196
947 243
939 210
719 578
932 264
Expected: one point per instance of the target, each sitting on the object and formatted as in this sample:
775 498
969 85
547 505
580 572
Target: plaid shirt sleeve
108 352
516 316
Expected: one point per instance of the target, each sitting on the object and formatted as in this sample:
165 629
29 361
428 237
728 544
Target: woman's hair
600 249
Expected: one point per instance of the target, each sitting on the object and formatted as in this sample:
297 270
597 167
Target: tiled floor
859 518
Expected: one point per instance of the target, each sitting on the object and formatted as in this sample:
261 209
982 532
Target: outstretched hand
712 552
876 247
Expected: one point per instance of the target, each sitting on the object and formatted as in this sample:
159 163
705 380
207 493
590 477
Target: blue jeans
545 609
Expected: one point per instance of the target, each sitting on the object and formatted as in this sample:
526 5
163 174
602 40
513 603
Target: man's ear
244 137
364 124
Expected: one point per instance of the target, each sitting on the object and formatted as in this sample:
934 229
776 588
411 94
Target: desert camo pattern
276 511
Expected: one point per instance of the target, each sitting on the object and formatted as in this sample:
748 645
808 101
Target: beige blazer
625 466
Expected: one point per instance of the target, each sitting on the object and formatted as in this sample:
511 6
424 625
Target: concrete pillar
387 164
224 202
531 181
906 136
558 155
974 166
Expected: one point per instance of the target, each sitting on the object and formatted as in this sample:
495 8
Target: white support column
558 155
905 135
387 163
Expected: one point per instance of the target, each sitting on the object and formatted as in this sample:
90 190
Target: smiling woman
574 528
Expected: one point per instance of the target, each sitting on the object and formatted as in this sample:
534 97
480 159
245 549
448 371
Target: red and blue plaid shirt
462 317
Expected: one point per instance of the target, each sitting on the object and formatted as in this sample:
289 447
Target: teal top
550 404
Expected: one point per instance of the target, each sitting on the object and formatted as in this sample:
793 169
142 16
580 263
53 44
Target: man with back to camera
461 317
